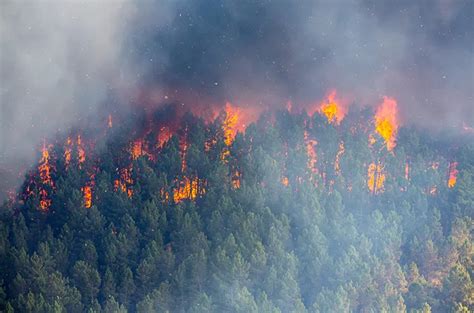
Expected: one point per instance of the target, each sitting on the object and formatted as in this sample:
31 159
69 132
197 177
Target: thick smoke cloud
270 51
61 61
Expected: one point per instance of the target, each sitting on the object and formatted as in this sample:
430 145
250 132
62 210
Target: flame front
87 194
333 108
44 170
453 174
386 121
375 178
230 125
311 152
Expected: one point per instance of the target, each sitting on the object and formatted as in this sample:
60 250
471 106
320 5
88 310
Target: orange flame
285 181
333 108
136 150
44 169
124 182
230 124
386 121
188 189
87 194
163 136
376 178
68 151
453 174
311 152
236 180
81 153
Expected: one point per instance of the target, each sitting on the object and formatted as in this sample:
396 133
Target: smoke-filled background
62 62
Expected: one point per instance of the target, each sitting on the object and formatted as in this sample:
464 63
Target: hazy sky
61 61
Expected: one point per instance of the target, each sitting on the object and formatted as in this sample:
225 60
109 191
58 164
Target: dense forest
172 212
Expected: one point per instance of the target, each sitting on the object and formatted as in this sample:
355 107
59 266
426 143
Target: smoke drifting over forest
61 63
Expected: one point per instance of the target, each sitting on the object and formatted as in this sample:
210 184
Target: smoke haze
61 61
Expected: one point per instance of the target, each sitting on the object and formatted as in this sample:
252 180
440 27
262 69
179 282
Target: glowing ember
453 174
68 151
236 180
124 182
230 124
311 152
44 169
285 181
81 153
163 136
386 121
136 150
87 195
407 171
109 121
375 178
340 152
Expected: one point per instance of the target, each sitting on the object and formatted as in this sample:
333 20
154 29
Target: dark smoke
62 62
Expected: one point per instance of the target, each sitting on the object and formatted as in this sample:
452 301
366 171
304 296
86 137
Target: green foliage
323 243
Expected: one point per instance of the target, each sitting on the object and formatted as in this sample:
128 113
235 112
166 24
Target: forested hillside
300 212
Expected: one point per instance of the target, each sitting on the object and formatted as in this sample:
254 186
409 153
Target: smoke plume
61 61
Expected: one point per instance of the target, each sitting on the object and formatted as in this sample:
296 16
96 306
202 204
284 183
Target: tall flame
340 152
386 121
230 124
333 108
44 170
453 174
81 153
311 152
375 178
87 194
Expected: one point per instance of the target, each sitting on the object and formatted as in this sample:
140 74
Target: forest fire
311 152
375 178
81 153
333 108
340 152
44 170
452 174
68 151
230 125
87 194
386 121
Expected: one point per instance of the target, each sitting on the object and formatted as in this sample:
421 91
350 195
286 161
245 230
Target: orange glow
333 108
311 152
375 178
136 150
109 121
188 189
236 180
340 152
87 195
407 171
230 124
68 151
124 182
386 121
81 153
453 174
163 136
285 181
44 169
